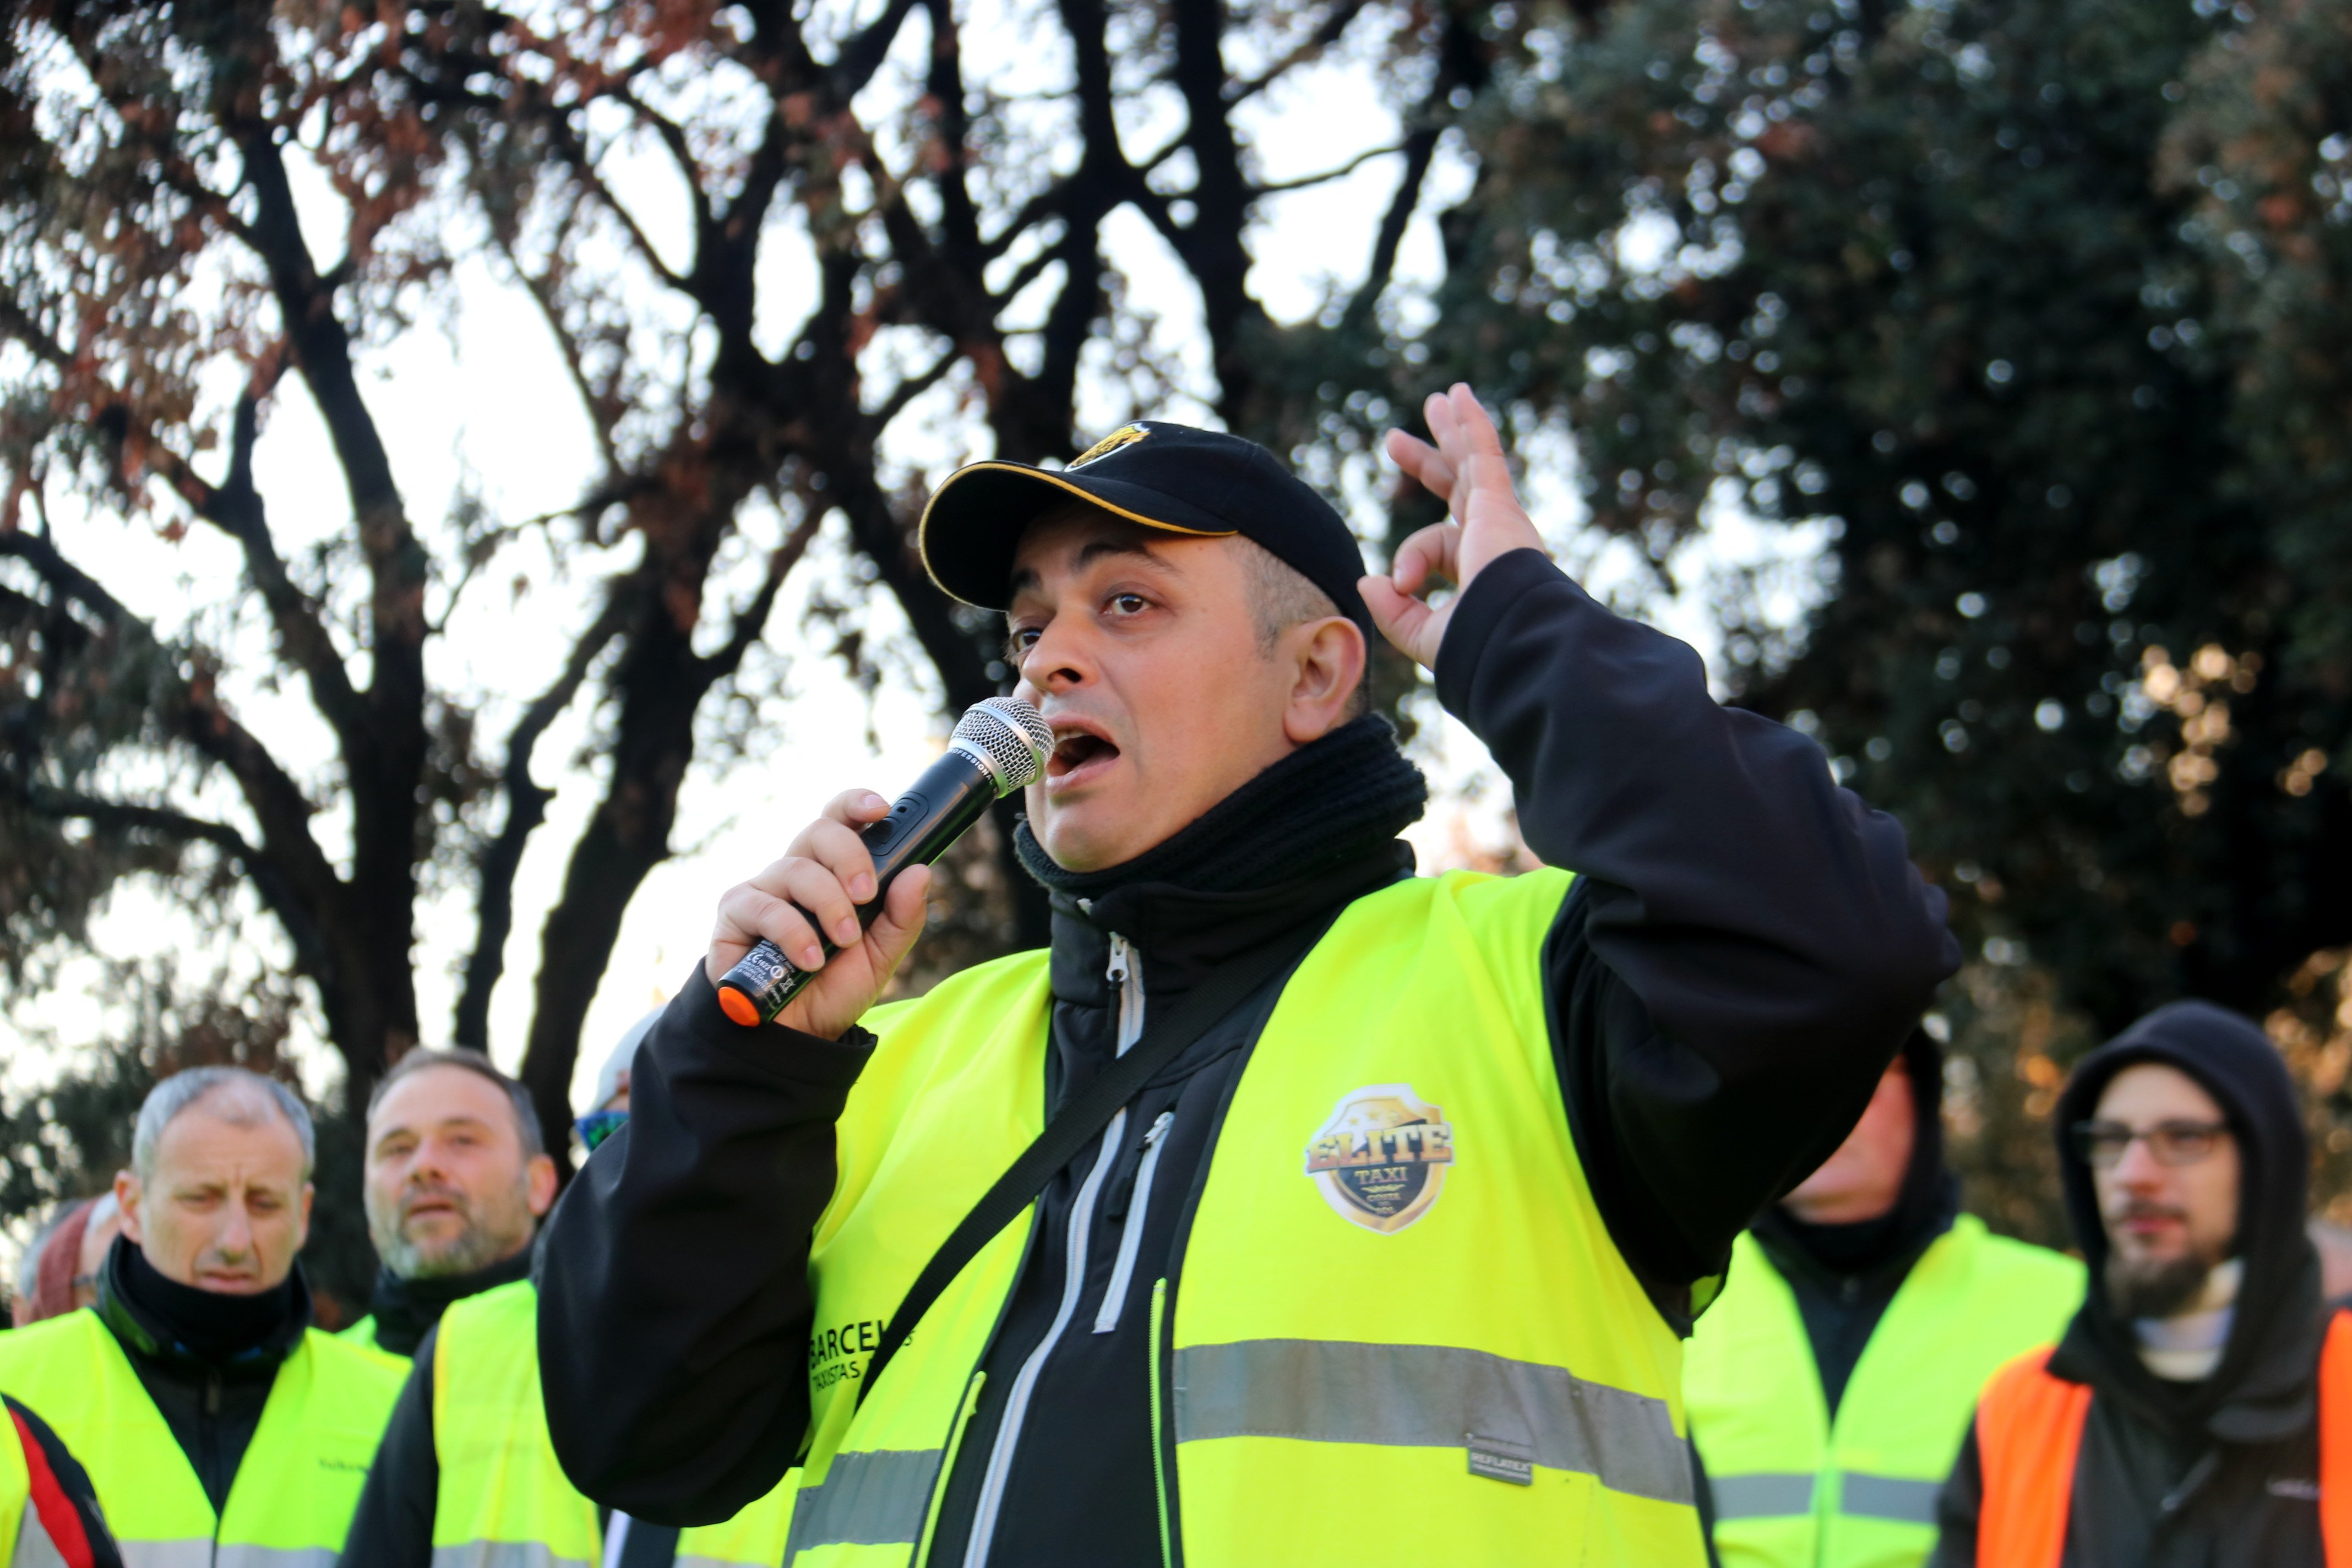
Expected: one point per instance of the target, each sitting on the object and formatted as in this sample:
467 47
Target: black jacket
1746 950
207 1361
2210 1473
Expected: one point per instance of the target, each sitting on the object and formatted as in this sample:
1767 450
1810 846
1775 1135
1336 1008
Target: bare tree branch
752 619
527 802
1307 181
1326 33
19 324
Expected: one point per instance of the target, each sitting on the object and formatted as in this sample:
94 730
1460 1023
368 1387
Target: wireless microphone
1000 745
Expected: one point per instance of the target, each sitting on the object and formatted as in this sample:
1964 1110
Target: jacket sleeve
1747 944
1958 1509
393 1527
673 1301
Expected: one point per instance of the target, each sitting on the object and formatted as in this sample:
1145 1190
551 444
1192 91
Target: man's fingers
859 806
1477 431
1400 618
836 846
1429 552
820 894
1420 461
902 917
748 913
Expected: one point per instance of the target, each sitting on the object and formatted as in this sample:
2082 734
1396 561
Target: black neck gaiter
208 1325
405 1308
1328 802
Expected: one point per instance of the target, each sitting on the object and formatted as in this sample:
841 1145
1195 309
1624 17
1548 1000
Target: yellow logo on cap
1125 436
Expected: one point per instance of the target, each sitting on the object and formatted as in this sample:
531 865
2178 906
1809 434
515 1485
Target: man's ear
540 1180
302 1226
1329 656
127 1193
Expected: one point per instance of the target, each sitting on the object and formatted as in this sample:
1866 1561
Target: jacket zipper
1127 974
1130 1239
1158 1456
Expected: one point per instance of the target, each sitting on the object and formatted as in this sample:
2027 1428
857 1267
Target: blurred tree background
2031 313
788 256
2044 305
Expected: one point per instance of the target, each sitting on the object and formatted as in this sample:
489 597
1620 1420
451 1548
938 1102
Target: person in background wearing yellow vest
457 1176
1830 1385
1398 1248
2198 1408
466 1476
216 1425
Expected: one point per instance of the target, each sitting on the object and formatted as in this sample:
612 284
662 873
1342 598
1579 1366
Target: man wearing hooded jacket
1831 1383
2179 1420
1414 1227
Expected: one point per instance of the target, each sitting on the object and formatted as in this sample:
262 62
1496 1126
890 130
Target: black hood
1924 1209
2262 1385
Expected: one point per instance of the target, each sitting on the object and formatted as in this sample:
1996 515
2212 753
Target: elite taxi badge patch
1381 1159
1125 436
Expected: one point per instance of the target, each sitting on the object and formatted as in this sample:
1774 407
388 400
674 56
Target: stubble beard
477 1247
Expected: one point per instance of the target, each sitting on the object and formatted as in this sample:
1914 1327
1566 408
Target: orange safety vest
2030 1427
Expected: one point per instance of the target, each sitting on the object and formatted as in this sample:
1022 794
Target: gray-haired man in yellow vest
1830 1385
1427 1176
216 1425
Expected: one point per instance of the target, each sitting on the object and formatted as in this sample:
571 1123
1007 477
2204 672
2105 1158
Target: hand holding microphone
813 940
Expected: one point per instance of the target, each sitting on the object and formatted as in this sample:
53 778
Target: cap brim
974 521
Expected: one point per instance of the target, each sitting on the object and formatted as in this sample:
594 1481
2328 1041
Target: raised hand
826 873
1467 471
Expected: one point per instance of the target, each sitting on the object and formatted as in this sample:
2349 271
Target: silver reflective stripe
1429 1396
195 1554
274 1557
1889 1497
1761 1496
875 1498
498 1555
34 1548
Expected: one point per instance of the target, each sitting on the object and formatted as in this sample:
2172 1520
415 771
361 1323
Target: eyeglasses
599 1125
2102 1143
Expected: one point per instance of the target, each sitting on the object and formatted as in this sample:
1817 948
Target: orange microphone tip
738 1006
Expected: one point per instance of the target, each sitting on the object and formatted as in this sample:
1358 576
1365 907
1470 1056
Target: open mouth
1076 752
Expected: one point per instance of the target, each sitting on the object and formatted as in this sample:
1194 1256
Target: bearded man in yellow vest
1397 1249
216 1425
1831 1383
456 1176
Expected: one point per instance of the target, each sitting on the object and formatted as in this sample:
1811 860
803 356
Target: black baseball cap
1169 476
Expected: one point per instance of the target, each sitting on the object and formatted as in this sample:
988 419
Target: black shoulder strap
1087 1112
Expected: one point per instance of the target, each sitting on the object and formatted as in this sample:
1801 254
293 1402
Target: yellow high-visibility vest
1794 1489
504 1501
292 1503
1397 1299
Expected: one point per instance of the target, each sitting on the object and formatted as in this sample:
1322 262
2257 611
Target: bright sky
480 402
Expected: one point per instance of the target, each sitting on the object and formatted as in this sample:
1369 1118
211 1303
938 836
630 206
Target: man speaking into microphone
1396 1235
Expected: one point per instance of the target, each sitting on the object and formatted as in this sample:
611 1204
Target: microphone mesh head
1013 737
